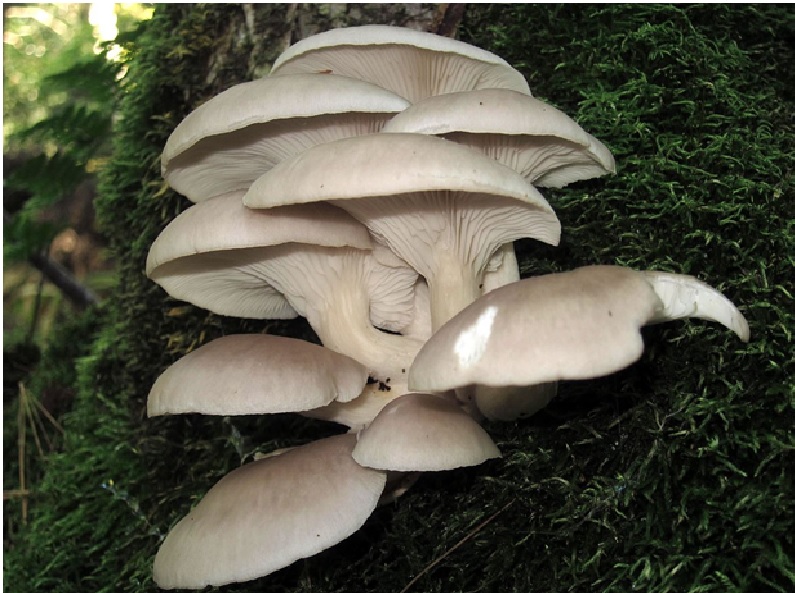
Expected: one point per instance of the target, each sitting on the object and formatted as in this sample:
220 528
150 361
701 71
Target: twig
460 543
81 296
21 440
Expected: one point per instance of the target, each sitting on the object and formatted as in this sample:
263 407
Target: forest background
674 475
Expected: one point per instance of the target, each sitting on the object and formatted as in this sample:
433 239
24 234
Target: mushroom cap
573 325
269 513
542 143
255 374
201 256
413 64
229 141
395 164
423 432
685 296
224 224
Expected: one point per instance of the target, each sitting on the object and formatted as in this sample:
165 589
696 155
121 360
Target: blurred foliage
673 476
59 98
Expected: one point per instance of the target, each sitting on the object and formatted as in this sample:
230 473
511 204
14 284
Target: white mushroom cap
684 296
199 256
230 140
542 143
441 207
575 325
255 374
423 432
413 64
269 513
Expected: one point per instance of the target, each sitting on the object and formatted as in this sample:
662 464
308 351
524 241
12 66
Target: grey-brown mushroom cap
255 374
269 513
423 432
413 64
573 325
230 140
541 142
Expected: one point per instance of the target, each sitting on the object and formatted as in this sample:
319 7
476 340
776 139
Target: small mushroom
269 513
256 374
574 325
229 141
443 208
412 64
423 432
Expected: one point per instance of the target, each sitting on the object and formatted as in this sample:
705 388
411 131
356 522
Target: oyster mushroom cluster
374 183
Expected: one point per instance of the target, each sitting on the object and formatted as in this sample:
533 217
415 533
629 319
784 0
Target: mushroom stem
386 356
452 287
342 323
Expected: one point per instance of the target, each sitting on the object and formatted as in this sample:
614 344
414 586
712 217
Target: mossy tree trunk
674 475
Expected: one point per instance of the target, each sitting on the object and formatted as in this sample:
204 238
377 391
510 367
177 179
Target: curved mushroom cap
684 296
574 325
269 513
230 140
423 432
255 374
441 207
413 64
199 257
542 143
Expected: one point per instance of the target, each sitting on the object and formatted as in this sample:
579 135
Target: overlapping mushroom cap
574 325
200 256
230 140
441 207
542 143
411 63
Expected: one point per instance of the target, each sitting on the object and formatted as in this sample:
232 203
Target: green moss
671 476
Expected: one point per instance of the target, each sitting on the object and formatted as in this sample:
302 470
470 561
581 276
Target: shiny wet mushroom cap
574 325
